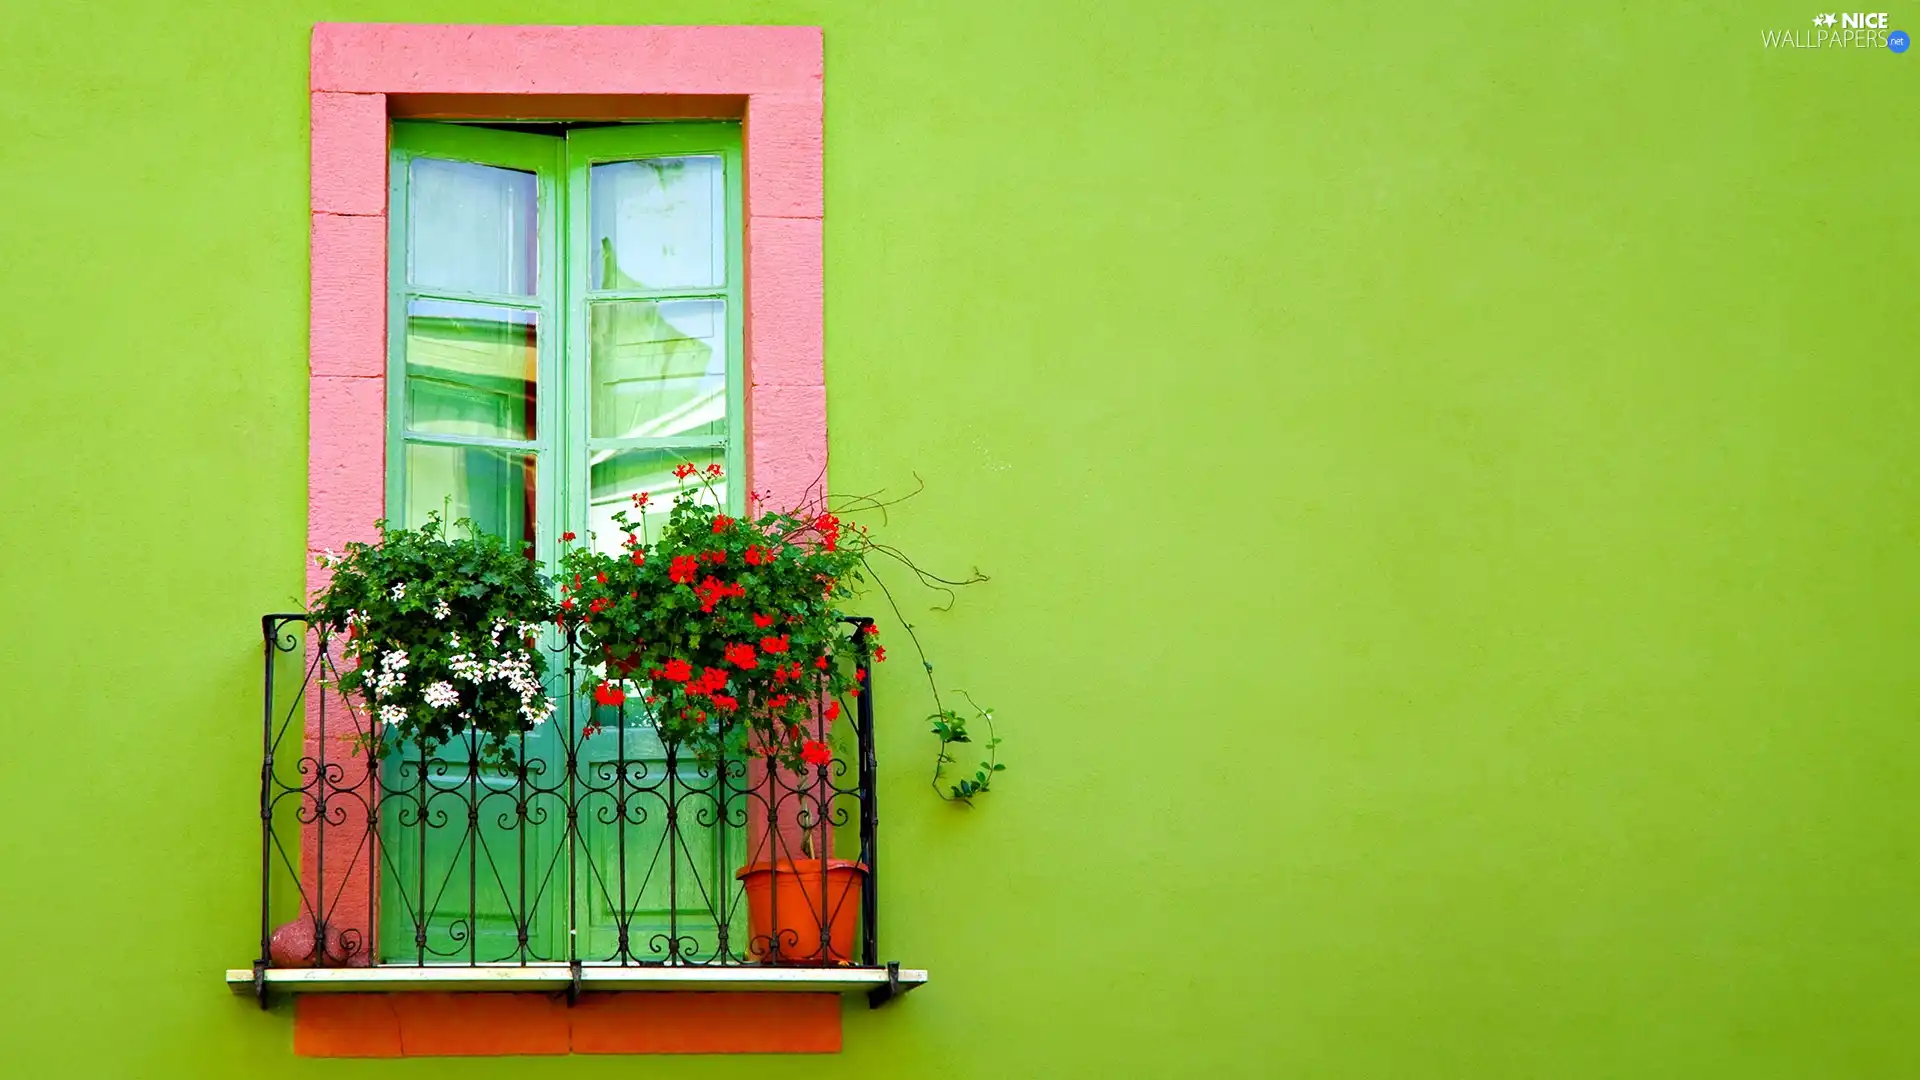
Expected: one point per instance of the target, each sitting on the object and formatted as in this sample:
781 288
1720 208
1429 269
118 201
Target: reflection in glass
657 223
659 367
471 369
493 487
615 476
473 228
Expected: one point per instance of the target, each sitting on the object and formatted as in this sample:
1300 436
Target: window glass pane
493 487
471 369
473 228
659 367
617 475
657 223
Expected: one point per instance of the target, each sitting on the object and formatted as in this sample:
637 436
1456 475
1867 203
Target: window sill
881 984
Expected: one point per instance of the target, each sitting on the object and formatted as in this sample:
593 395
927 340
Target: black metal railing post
869 803
270 634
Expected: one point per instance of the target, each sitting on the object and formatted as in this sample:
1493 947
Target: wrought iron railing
597 845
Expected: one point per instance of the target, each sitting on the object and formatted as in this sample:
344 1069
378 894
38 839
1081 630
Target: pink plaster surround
363 73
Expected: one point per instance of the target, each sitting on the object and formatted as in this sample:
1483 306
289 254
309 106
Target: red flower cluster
711 681
713 590
718 558
683 569
828 526
683 470
774 644
832 711
677 670
741 656
609 694
640 499
815 752
721 523
762 621
566 537
758 556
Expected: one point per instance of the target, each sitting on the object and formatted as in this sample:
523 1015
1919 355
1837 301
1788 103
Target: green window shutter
653 262
564 329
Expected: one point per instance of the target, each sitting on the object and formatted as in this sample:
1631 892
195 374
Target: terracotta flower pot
787 905
294 945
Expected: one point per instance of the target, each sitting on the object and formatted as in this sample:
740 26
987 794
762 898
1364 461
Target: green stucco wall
1448 474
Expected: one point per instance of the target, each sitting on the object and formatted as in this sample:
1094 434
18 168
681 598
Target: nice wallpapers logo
1846 30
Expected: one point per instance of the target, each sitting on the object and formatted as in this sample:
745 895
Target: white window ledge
880 984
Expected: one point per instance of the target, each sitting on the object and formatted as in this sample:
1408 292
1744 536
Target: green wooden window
564 329
564 322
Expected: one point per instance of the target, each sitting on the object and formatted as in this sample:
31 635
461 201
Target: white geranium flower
441 695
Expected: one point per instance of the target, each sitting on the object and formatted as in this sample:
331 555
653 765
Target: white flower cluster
441 695
399 591
441 610
392 674
392 714
514 668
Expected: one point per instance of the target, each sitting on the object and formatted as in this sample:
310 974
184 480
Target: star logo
1824 20
1829 18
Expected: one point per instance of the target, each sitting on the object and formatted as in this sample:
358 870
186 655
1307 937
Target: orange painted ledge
495 1024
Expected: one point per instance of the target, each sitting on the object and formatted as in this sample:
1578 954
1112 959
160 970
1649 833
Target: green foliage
950 727
442 635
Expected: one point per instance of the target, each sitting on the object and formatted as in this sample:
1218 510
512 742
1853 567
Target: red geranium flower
640 499
713 470
566 536
609 694
815 752
725 703
774 644
566 605
833 710
741 656
763 621
879 653
722 523
683 470
683 569
601 577
639 558
821 663
756 555
828 526
599 605
677 670
713 679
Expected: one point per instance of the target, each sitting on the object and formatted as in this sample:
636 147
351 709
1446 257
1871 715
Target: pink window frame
364 74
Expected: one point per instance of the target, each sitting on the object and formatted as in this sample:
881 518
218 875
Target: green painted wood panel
565 327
